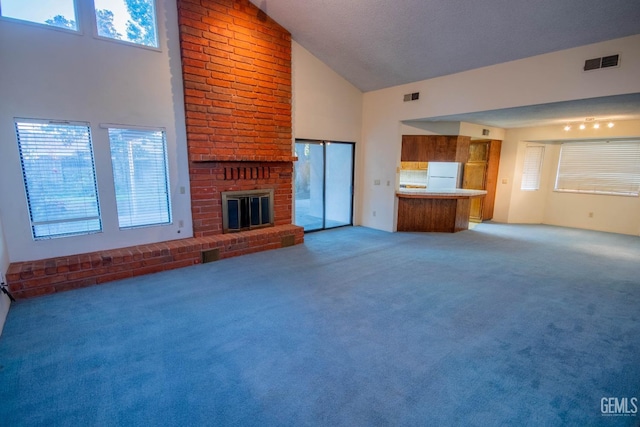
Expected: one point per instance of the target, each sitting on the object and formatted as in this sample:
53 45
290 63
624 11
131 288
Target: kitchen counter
435 210
451 194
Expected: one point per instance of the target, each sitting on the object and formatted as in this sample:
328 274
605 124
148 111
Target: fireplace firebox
247 210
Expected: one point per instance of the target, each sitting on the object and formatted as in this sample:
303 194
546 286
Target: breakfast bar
445 211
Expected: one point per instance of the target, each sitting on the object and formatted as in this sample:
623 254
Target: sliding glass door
323 184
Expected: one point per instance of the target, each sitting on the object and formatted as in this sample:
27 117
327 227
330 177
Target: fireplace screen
246 210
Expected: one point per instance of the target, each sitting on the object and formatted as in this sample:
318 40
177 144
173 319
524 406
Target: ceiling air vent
604 62
412 96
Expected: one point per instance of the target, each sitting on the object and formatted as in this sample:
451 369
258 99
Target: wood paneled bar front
441 211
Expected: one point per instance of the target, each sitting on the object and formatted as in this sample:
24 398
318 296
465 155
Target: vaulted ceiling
381 43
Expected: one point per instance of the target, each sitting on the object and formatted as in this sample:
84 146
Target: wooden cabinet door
475 212
493 164
475 179
414 149
409 151
474 176
442 149
479 151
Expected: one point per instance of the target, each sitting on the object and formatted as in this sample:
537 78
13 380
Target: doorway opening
324 184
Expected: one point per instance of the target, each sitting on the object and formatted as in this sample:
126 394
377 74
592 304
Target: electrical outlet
590 214
180 224
376 182
388 183
505 181
374 213
182 190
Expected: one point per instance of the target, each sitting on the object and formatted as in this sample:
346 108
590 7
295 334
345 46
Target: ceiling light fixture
591 121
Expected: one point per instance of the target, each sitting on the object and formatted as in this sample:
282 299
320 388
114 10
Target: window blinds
599 167
532 168
59 177
139 161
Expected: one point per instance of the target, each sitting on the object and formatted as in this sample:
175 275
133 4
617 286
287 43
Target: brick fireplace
236 65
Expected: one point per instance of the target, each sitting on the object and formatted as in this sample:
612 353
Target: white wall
541 79
618 214
52 74
4 266
325 106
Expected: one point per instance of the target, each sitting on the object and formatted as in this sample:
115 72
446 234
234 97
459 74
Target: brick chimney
236 65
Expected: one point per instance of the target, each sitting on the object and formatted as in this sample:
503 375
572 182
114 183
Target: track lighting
591 121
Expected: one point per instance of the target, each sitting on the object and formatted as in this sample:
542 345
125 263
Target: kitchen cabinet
481 173
434 148
414 149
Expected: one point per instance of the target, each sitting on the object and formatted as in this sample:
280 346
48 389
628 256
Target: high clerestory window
129 21
132 21
56 13
599 167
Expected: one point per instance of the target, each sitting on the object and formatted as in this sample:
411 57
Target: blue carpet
508 325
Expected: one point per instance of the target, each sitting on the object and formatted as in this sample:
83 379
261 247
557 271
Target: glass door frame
324 144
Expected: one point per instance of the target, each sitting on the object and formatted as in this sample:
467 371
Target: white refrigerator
443 175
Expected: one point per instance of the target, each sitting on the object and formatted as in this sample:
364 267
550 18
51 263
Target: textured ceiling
381 43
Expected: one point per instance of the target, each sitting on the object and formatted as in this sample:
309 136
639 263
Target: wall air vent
604 62
610 61
592 64
412 96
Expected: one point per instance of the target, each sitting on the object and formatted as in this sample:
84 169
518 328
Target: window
600 167
532 168
57 13
139 161
132 21
59 177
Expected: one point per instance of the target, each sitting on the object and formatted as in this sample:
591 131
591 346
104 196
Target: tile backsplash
413 176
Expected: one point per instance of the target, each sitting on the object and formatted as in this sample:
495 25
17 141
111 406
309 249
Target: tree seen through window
127 20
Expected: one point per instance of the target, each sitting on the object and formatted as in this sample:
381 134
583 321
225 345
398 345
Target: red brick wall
236 65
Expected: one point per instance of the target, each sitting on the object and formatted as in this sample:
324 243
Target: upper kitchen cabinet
414 149
435 148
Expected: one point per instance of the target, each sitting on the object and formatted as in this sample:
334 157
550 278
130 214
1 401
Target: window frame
166 170
29 194
597 167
